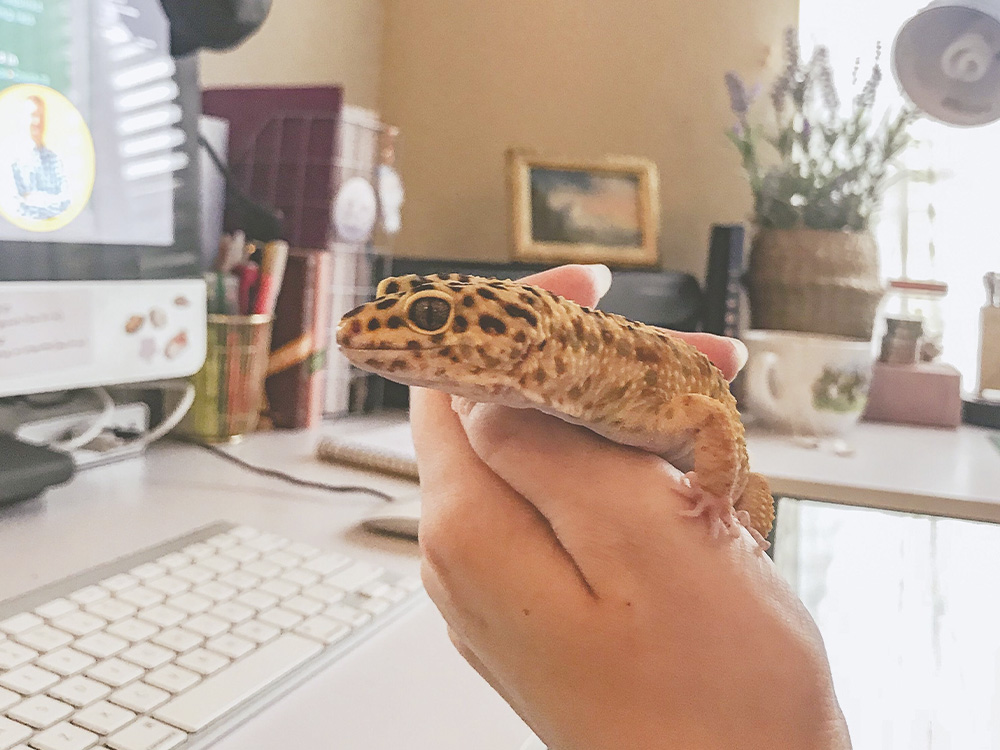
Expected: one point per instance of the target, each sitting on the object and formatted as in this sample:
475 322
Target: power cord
291 479
96 428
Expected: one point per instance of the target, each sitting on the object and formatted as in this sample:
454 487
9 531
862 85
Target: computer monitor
100 278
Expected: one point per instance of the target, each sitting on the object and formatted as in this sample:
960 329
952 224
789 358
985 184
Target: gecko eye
430 312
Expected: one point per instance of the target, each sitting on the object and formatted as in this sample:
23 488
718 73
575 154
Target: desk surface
405 687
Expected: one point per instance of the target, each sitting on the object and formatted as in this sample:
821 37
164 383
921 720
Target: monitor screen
98 143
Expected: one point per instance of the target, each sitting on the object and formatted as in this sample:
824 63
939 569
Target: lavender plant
822 169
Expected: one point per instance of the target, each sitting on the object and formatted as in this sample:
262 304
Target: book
386 449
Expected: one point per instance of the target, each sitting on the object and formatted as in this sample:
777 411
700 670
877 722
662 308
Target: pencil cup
229 388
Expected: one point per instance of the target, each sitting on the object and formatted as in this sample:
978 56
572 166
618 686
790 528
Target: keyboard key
148 571
283 559
190 603
139 697
43 638
376 605
28 680
195 574
120 582
80 691
172 678
280 588
394 594
14 654
263 568
266 542
410 583
259 600
89 595
65 662
8 698
241 554
199 550
216 695
325 594
259 632
373 589
170 585
20 623
301 549
147 734
64 736
240 580
220 564
244 532
162 615
281 618
174 560
215 591
133 630
178 640
55 608
79 623
40 712
230 645
234 612
303 605
148 655
326 564
202 661
103 717
222 541
12 732
346 613
206 625
300 577
101 645
355 576
142 596
111 610
323 629
114 672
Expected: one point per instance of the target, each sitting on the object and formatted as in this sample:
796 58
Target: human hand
570 582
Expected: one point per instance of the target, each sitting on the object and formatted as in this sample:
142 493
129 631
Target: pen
272 271
248 274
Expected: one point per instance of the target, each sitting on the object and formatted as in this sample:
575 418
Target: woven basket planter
814 281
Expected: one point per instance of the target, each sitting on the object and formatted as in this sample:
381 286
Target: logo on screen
46 158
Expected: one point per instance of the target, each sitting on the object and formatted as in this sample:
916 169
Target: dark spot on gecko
395 322
355 326
516 311
412 344
444 351
372 362
489 324
460 324
423 286
523 380
374 324
385 304
668 413
463 278
646 355
651 377
468 301
526 298
575 392
578 327
486 293
560 364
618 393
355 311
607 336
540 375
440 372
497 284
456 287
520 337
541 344
392 287
398 364
455 358
591 343
555 297
437 338
622 347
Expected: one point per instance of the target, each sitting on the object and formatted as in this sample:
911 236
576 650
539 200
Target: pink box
924 394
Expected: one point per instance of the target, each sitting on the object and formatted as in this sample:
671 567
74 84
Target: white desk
953 473
404 688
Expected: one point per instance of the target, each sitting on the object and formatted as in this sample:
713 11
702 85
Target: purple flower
739 100
824 71
791 49
806 130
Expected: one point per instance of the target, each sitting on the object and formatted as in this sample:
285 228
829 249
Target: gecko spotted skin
514 344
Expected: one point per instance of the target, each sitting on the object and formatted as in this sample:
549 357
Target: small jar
909 325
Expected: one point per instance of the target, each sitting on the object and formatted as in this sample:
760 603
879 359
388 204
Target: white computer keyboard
172 646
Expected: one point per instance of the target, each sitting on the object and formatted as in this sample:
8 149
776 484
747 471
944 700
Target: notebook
388 449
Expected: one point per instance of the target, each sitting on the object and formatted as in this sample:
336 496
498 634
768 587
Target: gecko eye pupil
430 313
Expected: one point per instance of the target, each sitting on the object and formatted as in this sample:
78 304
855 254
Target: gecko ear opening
430 311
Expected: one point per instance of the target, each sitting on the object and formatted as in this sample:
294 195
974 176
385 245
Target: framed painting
567 211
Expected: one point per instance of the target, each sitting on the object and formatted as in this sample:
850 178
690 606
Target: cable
187 399
95 429
274 474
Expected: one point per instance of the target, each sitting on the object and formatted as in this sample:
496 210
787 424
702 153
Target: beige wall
308 42
466 79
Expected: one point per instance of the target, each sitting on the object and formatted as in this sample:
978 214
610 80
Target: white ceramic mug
808 384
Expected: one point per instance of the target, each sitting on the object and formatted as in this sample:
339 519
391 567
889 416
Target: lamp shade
947 60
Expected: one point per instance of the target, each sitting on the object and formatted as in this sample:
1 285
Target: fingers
471 521
597 496
729 355
584 284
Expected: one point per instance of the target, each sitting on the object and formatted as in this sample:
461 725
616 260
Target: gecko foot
719 510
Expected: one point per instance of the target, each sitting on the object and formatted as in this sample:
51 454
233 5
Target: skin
583 597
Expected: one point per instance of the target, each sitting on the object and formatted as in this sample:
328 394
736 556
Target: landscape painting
603 211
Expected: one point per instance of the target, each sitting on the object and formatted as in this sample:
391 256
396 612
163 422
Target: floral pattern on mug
841 391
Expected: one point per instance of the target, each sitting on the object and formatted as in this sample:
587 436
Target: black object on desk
27 470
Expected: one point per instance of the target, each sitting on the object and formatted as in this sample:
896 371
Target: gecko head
426 330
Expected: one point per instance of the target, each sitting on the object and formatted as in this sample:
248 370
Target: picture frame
576 211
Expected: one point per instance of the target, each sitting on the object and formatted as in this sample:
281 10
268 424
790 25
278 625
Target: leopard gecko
510 343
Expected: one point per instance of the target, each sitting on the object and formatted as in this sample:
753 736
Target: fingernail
602 277
742 355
